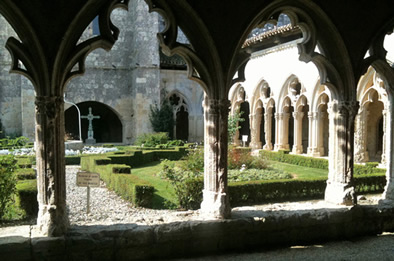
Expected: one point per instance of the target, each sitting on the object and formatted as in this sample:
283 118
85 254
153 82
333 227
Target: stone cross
90 117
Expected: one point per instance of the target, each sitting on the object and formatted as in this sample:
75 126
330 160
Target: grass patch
299 172
164 196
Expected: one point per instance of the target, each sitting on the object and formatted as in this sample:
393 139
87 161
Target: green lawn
299 171
164 196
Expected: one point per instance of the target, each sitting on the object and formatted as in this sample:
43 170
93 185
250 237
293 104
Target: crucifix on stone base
90 117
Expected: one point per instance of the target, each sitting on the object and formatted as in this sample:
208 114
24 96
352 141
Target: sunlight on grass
299 171
164 196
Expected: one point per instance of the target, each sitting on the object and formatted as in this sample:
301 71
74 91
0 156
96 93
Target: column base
48 222
340 194
267 146
388 194
90 141
255 145
215 205
297 150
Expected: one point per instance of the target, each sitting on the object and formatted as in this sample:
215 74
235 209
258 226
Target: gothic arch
181 112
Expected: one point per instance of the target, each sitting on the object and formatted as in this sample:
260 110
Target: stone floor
379 247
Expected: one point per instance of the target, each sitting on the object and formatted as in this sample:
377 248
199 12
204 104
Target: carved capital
349 108
214 106
48 105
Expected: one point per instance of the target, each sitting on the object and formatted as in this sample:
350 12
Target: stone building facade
119 85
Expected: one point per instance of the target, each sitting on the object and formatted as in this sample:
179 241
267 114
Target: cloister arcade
296 115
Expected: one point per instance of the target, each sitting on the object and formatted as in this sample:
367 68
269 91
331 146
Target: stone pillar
279 131
52 216
215 198
255 120
321 117
310 133
386 116
297 148
285 131
388 194
268 131
360 148
340 187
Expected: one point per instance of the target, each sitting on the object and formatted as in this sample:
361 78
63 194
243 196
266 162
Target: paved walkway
377 248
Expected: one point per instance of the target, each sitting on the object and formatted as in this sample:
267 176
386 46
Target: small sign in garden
88 179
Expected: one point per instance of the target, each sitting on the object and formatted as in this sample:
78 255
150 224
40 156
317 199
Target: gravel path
107 208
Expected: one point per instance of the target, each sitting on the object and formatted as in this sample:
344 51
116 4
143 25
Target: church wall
177 81
10 87
127 77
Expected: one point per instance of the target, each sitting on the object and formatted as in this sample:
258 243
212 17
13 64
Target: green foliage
257 174
13 143
152 139
73 160
7 181
27 197
162 119
237 157
310 162
233 125
194 161
129 187
23 174
188 185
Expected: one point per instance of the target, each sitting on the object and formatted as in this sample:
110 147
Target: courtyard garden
162 174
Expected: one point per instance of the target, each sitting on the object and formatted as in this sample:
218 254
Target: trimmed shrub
283 156
120 169
7 181
23 174
127 186
27 197
73 160
152 139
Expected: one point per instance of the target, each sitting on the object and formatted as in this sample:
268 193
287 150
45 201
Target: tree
233 125
162 119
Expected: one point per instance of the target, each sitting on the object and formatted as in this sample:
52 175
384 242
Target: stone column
279 130
360 148
388 194
321 116
297 148
52 216
268 131
215 198
285 131
340 187
386 116
255 120
310 137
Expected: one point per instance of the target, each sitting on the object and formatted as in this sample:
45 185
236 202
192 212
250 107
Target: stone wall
10 91
249 230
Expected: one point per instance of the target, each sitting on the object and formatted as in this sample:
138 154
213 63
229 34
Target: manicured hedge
22 174
318 163
139 158
73 160
265 191
27 197
129 187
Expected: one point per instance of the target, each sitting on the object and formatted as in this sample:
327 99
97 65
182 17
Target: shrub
162 119
152 139
238 157
73 160
23 174
194 161
257 174
188 185
7 181
27 194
